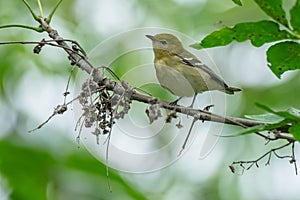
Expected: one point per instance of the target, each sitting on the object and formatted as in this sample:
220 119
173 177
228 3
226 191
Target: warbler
181 72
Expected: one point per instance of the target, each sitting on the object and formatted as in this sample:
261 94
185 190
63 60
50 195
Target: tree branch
82 63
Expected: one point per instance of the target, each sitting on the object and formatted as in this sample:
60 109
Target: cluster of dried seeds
100 106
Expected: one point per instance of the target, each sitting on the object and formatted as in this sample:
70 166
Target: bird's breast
173 80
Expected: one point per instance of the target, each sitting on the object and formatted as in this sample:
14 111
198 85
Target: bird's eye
163 42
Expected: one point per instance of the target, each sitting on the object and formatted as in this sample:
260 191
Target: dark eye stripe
164 42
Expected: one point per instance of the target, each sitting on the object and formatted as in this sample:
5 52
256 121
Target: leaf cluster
282 56
276 121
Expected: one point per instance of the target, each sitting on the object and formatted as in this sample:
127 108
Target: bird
181 72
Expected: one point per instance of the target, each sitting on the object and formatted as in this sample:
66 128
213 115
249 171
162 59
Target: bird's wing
191 60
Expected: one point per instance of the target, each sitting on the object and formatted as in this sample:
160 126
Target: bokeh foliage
29 171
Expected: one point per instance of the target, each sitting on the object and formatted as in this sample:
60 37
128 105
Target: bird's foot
207 108
174 103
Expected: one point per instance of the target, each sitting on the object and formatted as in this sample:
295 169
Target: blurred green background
47 164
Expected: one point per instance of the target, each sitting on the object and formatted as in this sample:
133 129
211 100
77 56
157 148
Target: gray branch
202 115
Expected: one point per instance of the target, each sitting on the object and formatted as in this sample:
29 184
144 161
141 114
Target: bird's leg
174 103
194 98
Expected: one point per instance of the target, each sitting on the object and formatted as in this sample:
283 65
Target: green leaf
295 17
290 114
249 130
295 131
283 57
258 32
217 38
259 128
267 118
37 29
49 18
237 2
294 111
274 9
35 17
266 108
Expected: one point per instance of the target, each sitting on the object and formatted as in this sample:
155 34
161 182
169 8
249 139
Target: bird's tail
231 90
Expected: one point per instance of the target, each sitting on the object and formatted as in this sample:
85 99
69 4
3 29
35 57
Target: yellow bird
181 72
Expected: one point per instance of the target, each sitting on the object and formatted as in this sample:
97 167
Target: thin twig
293 160
188 135
106 157
252 162
60 109
68 84
45 42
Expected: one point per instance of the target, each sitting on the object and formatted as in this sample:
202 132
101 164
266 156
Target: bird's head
165 42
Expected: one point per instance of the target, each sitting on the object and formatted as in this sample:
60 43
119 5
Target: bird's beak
151 37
